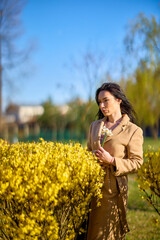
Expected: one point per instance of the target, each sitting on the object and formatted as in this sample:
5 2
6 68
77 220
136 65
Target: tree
142 42
91 66
143 90
143 39
52 118
76 118
81 114
10 30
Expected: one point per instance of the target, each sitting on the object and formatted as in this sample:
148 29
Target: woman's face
108 104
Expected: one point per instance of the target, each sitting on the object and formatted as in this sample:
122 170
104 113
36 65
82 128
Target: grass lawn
141 225
140 215
151 142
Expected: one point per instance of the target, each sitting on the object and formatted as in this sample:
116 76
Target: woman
121 154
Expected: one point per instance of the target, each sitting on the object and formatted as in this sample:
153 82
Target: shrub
45 189
149 179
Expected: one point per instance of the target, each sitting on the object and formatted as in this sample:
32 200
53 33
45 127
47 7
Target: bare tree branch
10 30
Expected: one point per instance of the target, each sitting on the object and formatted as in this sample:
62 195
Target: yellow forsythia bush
149 179
45 189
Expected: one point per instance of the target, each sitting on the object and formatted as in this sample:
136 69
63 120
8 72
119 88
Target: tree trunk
155 130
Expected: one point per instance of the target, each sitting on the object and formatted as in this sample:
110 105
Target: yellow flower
46 188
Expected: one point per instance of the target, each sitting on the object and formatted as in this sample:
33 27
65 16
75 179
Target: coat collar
121 127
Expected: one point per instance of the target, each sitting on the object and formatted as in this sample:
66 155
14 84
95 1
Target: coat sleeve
135 155
89 146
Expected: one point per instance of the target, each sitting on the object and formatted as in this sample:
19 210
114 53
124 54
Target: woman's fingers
101 149
98 153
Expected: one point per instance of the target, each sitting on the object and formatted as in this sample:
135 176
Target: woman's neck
114 118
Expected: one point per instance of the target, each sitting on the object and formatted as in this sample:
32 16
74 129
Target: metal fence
52 135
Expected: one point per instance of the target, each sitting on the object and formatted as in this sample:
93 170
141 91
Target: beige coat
108 222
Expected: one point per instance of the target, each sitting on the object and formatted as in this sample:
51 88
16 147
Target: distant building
22 114
64 109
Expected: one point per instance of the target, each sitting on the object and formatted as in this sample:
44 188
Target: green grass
141 225
135 201
140 215
151 142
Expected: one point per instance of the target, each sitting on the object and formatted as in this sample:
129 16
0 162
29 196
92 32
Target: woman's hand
104 156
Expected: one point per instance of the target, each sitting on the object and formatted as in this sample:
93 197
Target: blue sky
63 30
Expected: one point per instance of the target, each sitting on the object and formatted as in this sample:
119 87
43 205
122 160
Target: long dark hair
116 91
